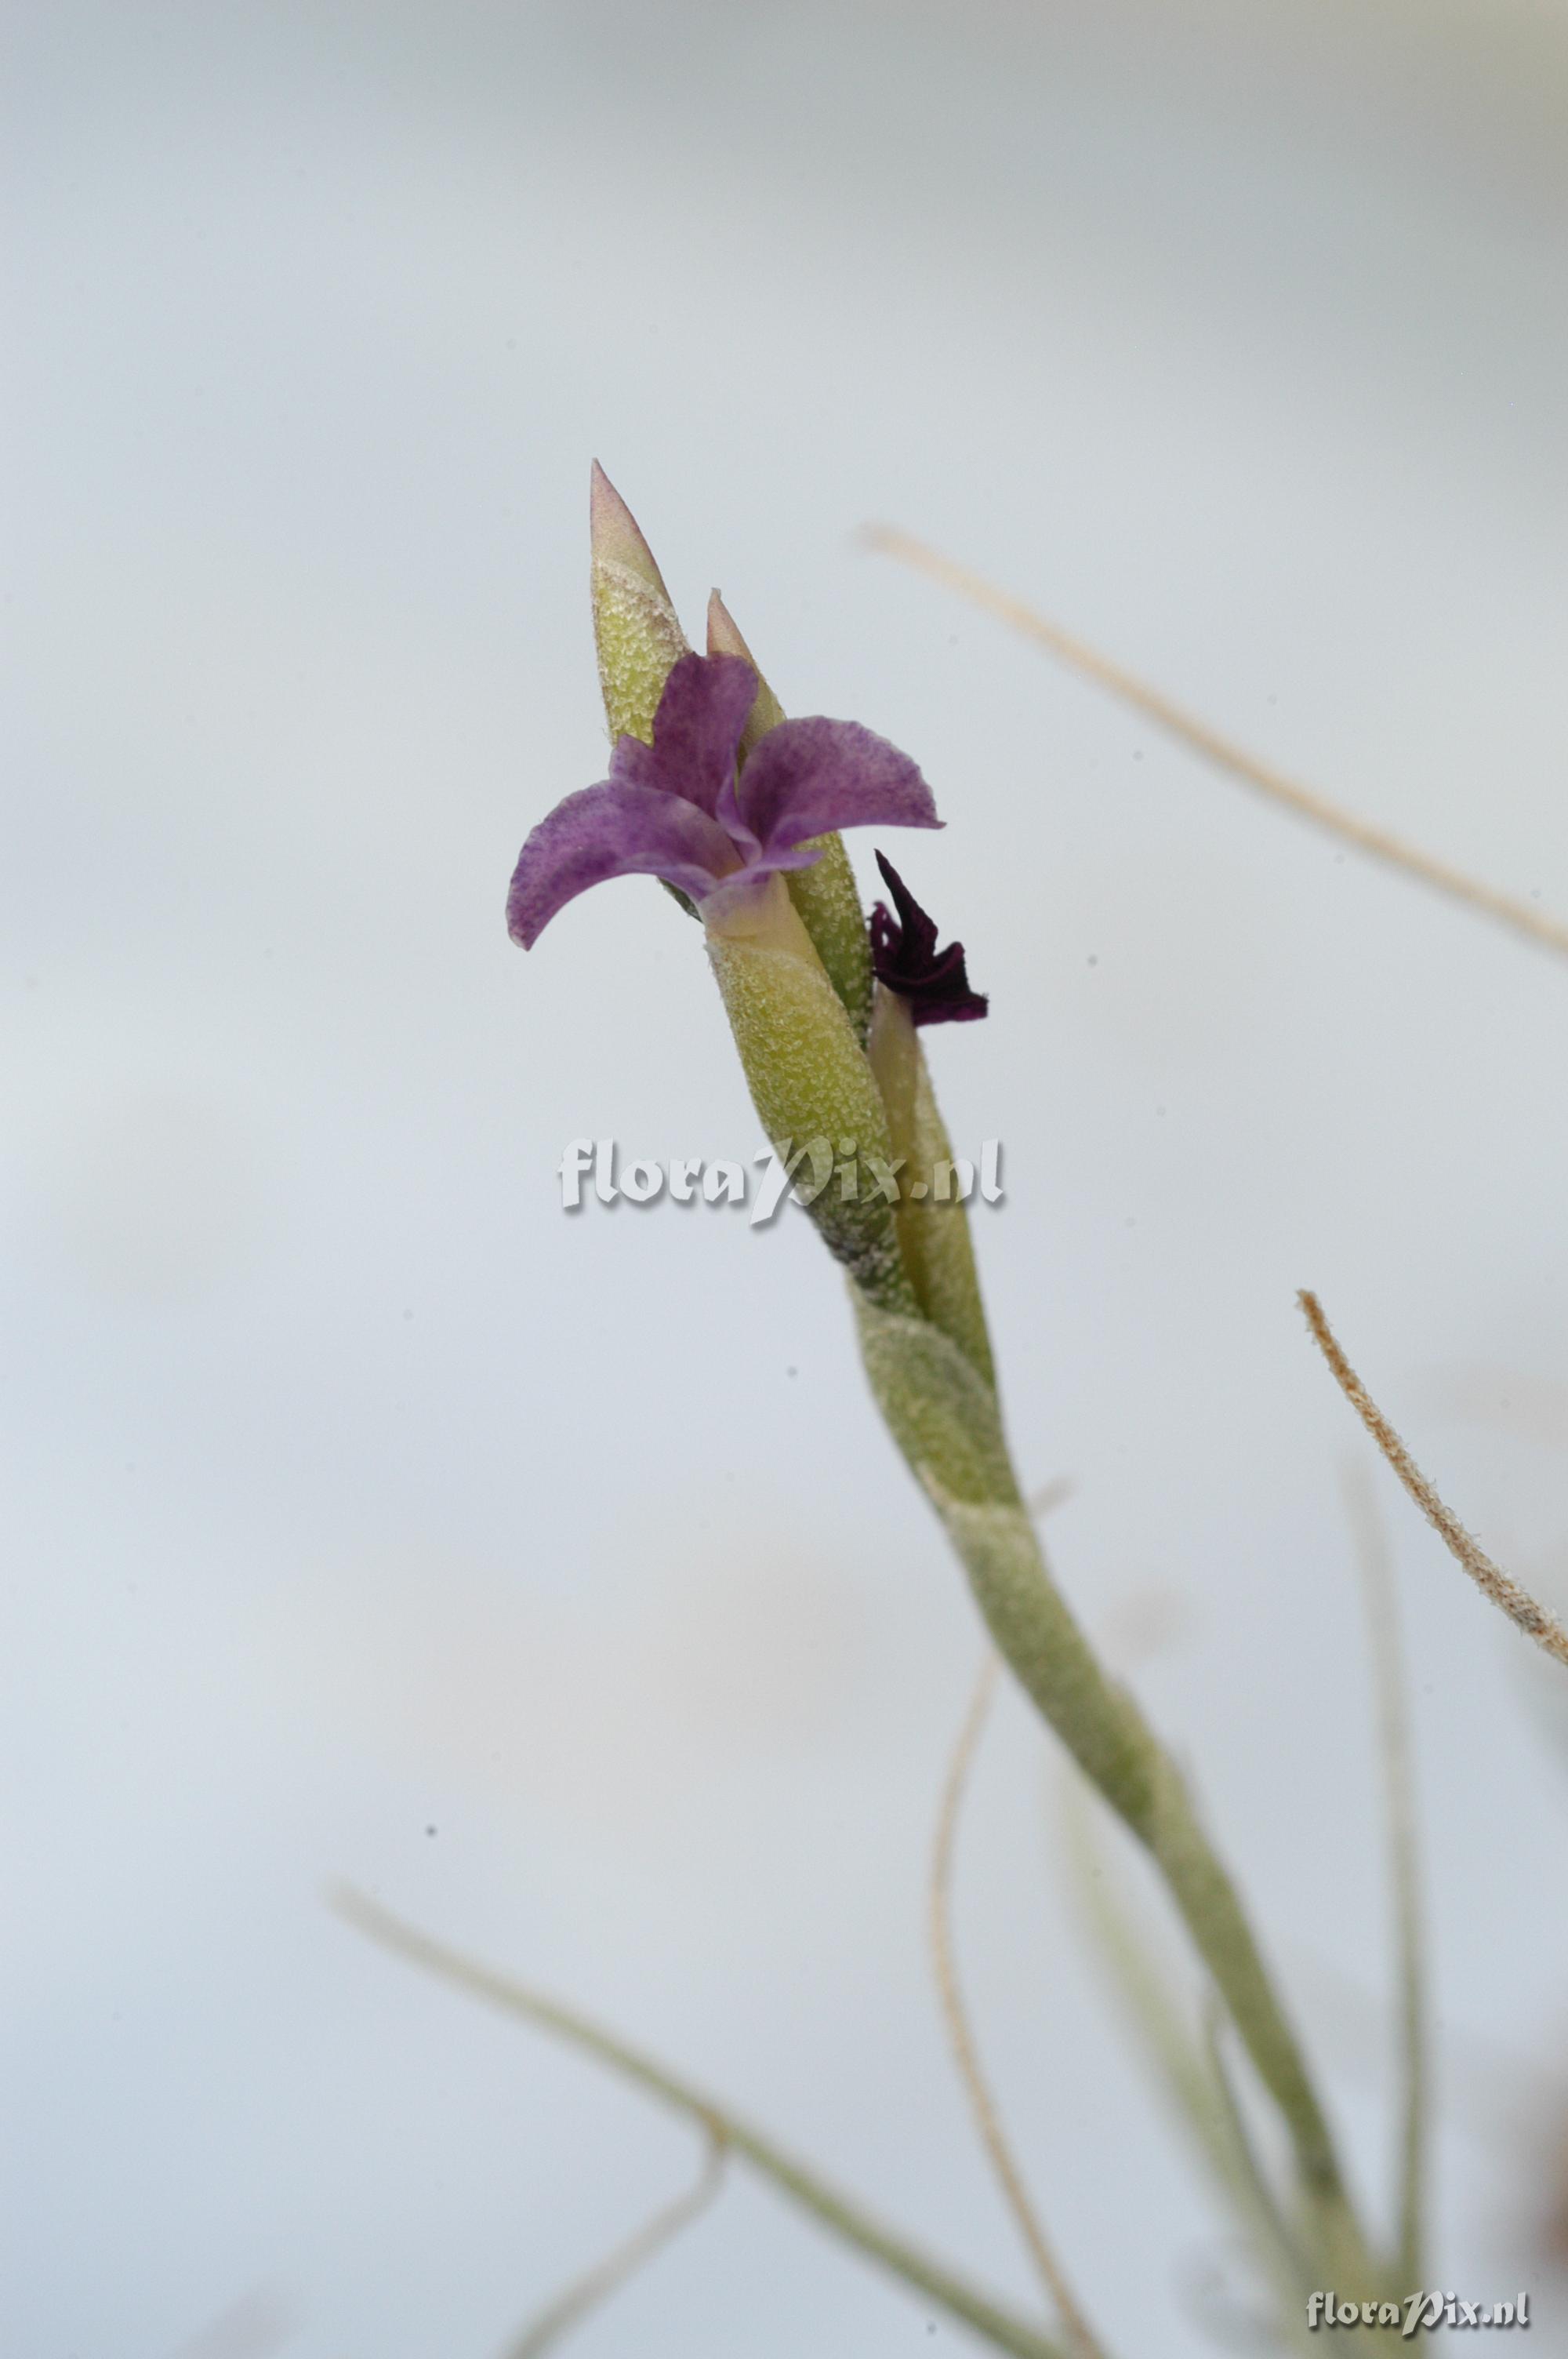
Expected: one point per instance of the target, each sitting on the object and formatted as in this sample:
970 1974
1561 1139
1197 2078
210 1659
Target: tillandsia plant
741 812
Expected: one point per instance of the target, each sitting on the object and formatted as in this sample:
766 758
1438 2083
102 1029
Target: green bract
826 895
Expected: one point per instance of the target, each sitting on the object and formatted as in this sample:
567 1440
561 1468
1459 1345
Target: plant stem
946 1421
1137 1778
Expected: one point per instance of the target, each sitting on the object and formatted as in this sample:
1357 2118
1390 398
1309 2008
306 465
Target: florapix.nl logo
591 1170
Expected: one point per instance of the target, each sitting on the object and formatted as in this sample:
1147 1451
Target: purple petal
810 777
619 829
910 938
696 730
933 983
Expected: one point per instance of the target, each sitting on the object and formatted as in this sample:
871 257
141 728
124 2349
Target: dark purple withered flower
905 958
678 809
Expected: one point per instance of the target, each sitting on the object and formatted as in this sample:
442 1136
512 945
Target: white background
354 1492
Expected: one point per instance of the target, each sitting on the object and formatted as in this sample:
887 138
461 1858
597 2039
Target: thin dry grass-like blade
1080 2336
595 2285
253 2329
1506 908
1193 2084
1265 2203
1490 1579
1405 1862
846 2217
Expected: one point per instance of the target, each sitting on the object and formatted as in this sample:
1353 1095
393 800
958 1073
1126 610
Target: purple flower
905 958
679 808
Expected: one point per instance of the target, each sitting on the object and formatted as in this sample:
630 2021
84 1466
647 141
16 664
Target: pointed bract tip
614 534
723 636
724 640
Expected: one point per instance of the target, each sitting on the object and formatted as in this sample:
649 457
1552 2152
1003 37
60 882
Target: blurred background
552 1579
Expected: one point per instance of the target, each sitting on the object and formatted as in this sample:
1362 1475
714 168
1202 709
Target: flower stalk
946 1421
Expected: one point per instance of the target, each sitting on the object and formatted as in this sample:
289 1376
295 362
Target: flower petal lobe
618 829
811 778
